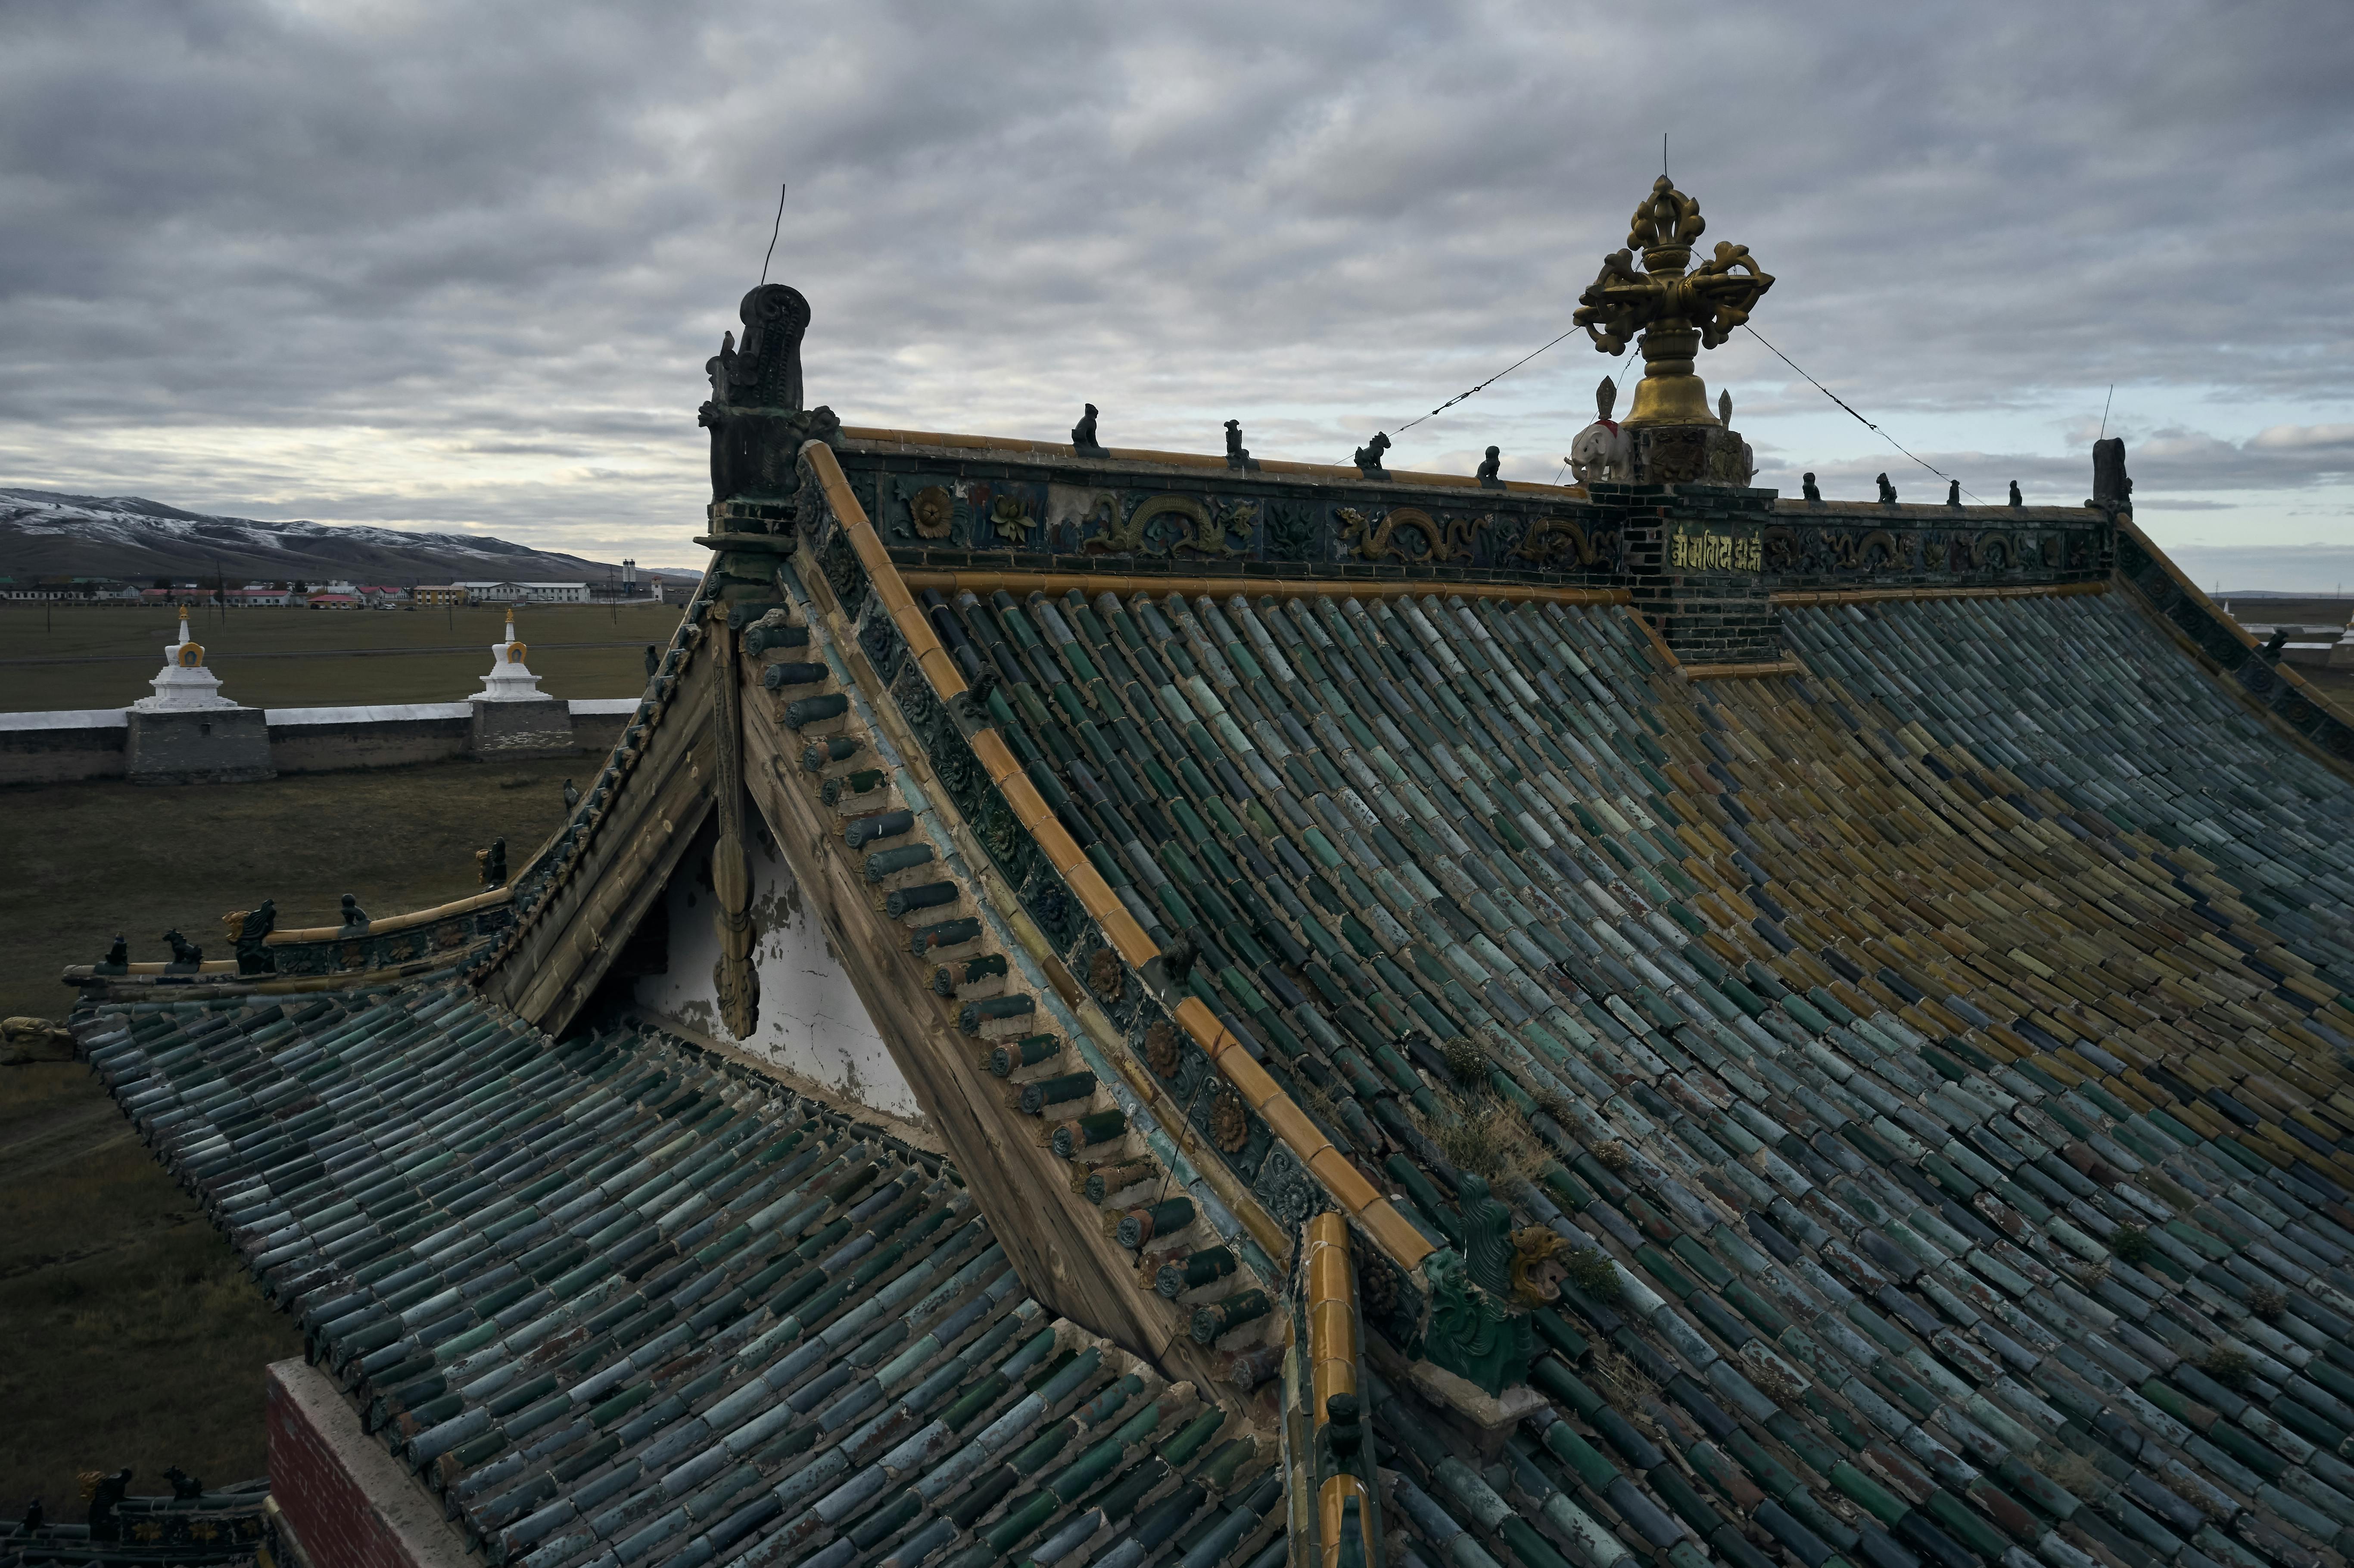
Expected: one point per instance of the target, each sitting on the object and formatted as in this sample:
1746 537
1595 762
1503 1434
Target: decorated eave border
1041 514
1229 1103
1049 512
2062 547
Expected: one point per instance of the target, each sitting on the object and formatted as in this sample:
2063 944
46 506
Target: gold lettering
1708 551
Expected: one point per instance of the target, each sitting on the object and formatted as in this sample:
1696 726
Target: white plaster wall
811 1020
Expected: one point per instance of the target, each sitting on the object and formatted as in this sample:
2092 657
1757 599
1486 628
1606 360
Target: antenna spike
774 230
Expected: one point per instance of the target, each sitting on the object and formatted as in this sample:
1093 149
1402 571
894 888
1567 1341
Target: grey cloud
439 263
2164 463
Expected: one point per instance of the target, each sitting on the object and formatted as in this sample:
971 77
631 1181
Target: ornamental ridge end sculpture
1675 313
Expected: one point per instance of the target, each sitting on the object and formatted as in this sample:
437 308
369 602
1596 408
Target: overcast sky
459 267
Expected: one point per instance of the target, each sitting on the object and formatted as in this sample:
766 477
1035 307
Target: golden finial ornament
1675 312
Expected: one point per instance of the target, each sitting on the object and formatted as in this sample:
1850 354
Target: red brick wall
350 1503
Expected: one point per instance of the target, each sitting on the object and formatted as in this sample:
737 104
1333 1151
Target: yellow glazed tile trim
1330 1509
1331 1313
1743 672
1347 1186
1330 1317
389 924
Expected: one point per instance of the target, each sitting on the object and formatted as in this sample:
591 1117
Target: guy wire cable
1867 424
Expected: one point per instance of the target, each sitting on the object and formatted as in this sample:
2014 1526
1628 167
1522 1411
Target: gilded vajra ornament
1675 312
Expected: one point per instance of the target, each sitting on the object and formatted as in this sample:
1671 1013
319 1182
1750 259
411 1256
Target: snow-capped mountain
47 533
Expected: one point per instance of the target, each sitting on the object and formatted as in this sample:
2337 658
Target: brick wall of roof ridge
612 1298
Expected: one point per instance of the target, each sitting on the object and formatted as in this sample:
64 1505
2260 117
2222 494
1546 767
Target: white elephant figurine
1601 451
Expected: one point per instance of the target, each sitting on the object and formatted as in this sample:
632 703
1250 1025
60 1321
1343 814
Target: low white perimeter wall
811 1023
59 746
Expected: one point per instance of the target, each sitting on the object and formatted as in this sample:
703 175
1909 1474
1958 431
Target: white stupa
184 683
512 715
510 680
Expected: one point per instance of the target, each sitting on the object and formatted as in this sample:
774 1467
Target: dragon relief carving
1556 542
1401 529
1226 531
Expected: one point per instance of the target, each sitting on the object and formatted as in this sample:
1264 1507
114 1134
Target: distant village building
524 593
627 589
257 596
61 589
436 595
346 596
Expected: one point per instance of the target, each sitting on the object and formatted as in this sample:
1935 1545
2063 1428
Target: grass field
135 1337
85 657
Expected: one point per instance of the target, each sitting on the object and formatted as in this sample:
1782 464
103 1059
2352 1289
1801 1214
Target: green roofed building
1159 1011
